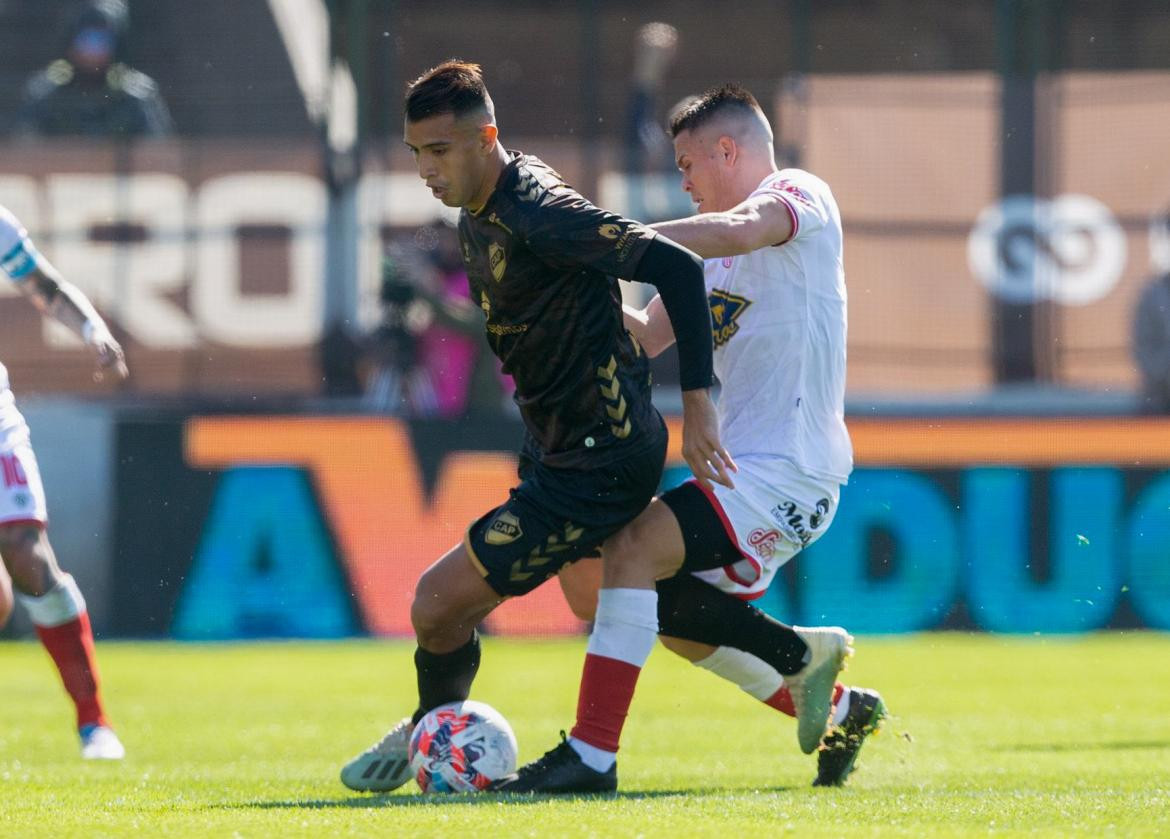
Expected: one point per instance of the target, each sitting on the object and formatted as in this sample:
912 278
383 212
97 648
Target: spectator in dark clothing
1151 344
87 92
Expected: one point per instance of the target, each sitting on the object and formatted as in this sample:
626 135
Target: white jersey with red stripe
779 318
779 315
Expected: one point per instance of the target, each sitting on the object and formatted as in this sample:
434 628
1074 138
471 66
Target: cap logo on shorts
504 530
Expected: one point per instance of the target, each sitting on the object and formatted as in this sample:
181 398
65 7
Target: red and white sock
624 630
61 621
757 678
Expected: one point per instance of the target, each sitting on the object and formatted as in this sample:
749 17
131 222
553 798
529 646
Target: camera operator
429 355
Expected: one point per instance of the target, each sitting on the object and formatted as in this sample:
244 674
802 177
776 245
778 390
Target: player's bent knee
30 567
18 541
449 598
430 611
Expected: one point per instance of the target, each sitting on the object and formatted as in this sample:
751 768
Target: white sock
59 605
754 676
625 629
626 624
841 709
599 760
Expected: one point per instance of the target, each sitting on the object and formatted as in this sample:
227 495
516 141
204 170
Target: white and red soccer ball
461 747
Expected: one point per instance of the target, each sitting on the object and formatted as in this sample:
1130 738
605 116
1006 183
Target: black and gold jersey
542 263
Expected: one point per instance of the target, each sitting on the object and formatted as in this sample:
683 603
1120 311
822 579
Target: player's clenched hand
702 449
107 350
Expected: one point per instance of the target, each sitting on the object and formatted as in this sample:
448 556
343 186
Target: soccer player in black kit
542 263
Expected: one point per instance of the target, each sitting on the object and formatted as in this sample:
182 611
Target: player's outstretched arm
650 326
66 303
759 222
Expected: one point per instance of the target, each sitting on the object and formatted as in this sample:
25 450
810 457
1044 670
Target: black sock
691 609
445 677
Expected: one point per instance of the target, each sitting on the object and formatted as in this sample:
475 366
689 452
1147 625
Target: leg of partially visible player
6 601
856 712
58 613
752 675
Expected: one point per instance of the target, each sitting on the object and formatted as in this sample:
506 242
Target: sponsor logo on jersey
507 328
496 261
764 541
793 190
725 311
624 235
504 530
498 222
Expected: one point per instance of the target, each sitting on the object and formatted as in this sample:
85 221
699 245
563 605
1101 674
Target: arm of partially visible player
759 222
650 326
66 303
39 281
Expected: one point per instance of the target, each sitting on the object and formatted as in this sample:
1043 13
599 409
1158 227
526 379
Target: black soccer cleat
558 771
838 752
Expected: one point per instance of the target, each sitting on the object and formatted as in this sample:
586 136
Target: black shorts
557 516
705 535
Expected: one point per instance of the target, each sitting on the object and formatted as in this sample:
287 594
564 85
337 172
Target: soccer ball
461 747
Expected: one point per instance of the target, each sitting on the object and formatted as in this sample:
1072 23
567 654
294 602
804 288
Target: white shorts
774 512
22 496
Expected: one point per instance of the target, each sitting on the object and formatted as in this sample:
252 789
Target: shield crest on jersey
725 311
496 261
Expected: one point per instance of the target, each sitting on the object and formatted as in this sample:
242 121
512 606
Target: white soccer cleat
99 742
385 765
812 687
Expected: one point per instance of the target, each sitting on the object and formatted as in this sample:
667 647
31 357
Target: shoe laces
559 754
396 738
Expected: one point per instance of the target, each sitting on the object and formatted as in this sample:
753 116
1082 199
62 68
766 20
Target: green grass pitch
1008 736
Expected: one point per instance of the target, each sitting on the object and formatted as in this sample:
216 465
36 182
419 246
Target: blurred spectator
1151 324
87 91
429 354
652 190
648 148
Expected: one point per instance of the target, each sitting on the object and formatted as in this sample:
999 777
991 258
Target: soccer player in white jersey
51 596
771 240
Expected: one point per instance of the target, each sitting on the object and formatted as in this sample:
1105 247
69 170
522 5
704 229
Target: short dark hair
454 87
717 100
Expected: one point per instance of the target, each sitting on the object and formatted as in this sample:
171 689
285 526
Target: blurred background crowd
226 180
